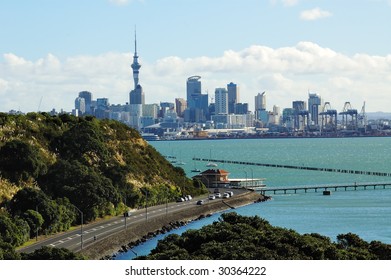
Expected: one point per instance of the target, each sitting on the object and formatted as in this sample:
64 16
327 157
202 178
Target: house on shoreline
218 178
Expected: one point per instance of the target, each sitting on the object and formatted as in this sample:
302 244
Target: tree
13 231
87 189
49 253
19 161
34 220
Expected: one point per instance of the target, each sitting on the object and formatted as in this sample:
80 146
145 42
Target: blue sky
52 49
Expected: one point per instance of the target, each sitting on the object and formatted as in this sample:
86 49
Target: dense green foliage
53 168
236 237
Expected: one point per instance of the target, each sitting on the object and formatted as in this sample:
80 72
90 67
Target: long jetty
346 187
336 170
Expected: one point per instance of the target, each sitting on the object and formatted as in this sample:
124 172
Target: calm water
366 213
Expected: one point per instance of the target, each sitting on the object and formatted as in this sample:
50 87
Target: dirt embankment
115 242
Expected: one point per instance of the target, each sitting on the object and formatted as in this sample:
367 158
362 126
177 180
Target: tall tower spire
135 65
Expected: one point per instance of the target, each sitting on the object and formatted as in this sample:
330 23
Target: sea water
364 212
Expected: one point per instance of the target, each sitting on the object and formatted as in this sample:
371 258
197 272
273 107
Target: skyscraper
193 88
233 97
180 106
197 103
221 101
87 100
260 107
260 101
314 101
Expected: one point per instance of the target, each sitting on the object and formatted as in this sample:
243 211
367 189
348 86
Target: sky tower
135 65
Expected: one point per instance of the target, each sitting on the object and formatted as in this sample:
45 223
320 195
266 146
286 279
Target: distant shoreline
271 137
108 247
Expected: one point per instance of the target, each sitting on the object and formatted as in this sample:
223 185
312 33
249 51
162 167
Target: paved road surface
72 240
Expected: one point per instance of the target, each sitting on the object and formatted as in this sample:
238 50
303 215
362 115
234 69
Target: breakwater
273 165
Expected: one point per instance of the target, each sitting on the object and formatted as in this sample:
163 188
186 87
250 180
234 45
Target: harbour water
364 212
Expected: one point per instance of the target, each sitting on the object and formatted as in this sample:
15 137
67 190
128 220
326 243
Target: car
189 197
226 195
218 195
180 199
216 190
231 193
212 197
200 202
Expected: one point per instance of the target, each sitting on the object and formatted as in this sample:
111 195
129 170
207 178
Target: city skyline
288 48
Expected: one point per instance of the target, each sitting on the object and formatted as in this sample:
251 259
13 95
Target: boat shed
214 178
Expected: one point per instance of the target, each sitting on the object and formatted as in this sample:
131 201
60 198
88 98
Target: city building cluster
223 115
201 115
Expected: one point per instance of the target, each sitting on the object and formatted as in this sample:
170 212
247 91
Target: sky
50 50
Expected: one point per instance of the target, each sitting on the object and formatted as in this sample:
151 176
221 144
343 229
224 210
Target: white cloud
286 74
314 14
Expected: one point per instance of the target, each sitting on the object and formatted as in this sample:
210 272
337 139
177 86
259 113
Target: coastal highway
104 228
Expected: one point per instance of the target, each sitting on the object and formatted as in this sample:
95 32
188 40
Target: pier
335 170
345 187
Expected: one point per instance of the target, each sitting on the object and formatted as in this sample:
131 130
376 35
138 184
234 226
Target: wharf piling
346 187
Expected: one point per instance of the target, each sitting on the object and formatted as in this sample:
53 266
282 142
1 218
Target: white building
221 101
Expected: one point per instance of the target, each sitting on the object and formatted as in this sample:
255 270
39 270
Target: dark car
200 202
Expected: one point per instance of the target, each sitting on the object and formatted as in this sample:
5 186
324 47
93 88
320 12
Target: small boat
195 169
211 163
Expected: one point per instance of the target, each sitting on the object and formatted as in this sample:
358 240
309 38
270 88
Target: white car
226 195
212 197
218 195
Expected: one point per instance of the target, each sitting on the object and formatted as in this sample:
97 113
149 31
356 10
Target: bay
364 212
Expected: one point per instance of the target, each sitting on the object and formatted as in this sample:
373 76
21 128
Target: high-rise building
193 89
260 107
80 105
240 108
314 102
87 100
233 97
180 106
260 101
197 103
221 101
300 112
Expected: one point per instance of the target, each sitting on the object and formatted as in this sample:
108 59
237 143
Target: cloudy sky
52 49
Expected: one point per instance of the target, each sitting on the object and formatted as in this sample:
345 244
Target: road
74 240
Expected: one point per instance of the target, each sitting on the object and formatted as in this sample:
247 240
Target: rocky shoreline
136 234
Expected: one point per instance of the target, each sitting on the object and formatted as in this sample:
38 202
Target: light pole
246 177
81 226
252 177
146 204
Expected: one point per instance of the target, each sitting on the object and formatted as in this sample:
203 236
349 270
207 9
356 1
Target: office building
87 101
221 101
233 97
314 102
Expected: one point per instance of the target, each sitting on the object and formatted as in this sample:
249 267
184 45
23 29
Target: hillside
52 167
